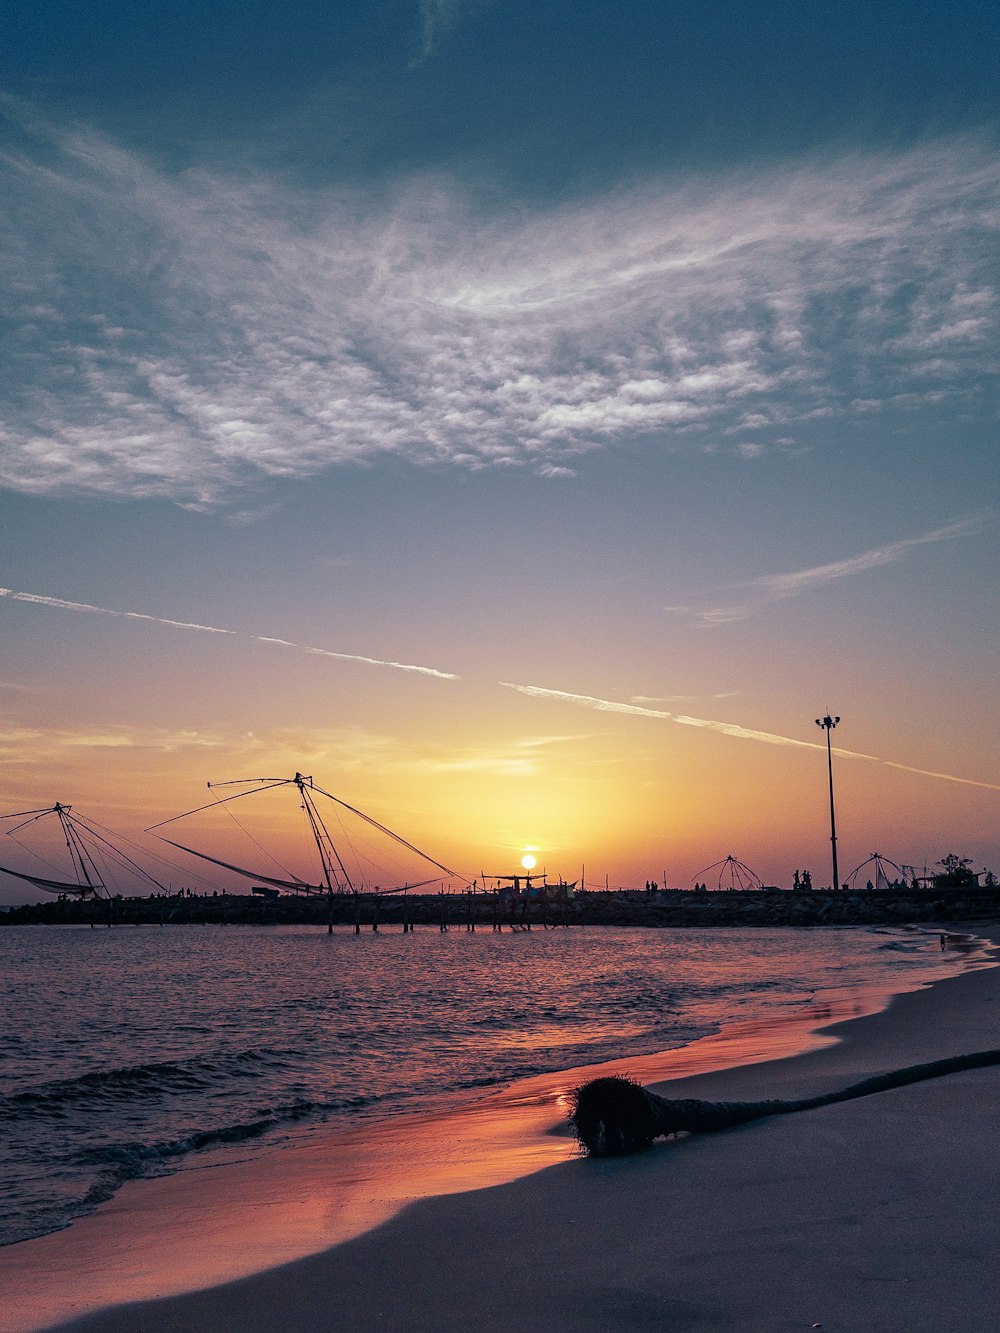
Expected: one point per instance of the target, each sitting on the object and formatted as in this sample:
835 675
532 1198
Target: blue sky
641 355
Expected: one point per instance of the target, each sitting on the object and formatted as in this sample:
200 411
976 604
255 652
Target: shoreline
223 1221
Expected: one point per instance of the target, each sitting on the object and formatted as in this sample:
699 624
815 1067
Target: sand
877 1214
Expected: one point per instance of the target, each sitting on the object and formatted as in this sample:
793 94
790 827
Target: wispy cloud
774 587
20 745
188 336
804 580
19 687
62 751
517 759
436 17
60 604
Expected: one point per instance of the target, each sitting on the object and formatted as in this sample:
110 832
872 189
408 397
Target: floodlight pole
827 724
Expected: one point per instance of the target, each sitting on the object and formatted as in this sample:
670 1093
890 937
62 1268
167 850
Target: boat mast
78 854
334 870
329 857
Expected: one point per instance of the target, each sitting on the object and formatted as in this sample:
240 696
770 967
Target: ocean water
125 1051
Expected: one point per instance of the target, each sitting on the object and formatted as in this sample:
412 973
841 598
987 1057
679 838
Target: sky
526 420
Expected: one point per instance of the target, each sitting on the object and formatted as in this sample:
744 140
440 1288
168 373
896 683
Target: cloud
349 747
774 587
192 335
803 580
436 17
20 687
60 604
52 745
515 760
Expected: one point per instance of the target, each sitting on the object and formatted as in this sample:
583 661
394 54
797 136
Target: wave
131 1082
106 1167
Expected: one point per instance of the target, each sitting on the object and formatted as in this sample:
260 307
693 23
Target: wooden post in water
375 914
469 922
357 913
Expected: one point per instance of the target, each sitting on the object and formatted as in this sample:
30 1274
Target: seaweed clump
613 1116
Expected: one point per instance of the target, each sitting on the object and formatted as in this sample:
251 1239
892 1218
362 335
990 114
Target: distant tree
990 880
955 872
952 864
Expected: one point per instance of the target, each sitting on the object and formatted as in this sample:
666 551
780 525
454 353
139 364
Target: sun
528 861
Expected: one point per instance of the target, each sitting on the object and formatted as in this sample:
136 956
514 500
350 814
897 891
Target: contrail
747 734
732 729
355 657
585 700
60 604
591 701
945 777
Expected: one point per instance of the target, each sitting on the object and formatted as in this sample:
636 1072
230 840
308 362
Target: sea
127 1052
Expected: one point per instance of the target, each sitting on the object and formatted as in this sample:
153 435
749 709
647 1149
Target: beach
875 1214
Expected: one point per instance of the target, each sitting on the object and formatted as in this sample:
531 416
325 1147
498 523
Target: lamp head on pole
827 723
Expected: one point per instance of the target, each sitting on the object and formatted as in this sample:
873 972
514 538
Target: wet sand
874 1214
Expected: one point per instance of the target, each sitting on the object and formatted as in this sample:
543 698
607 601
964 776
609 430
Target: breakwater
479 910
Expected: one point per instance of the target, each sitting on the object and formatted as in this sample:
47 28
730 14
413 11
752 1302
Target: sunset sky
526 419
